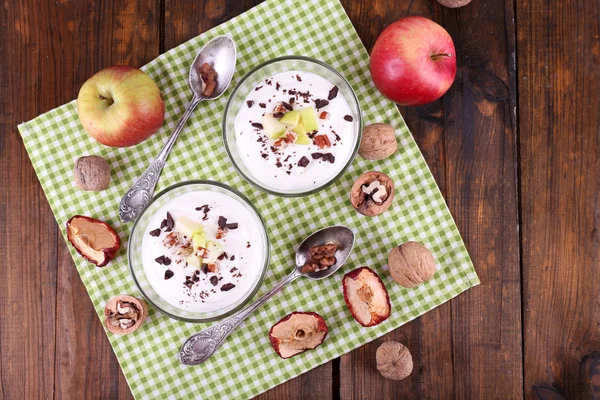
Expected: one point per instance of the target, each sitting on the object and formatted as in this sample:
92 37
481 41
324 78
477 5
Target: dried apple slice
366 296
297 332
95 240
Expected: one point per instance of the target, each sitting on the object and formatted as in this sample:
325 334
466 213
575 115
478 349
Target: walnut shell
411 264
378 142
394 361
124 314
92 173
367 203
454 3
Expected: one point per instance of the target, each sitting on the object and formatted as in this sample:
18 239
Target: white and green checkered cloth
246 365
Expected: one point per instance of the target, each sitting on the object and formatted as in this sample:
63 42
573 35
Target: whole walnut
92 173
411 264
454 3
394 361
378 142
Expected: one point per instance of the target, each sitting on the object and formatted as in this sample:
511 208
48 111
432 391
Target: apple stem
436 57
105 99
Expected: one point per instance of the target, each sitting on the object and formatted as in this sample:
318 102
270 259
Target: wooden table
514 146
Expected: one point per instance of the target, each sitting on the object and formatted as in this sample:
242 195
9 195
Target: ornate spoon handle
138 196
199 347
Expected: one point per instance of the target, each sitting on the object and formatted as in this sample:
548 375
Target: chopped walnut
280 109
178 244
322 141
321 258
324 115
209 79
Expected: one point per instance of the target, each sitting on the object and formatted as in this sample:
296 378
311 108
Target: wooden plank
29 237
480 142
51 342
133 39
183 21
559 93
468 139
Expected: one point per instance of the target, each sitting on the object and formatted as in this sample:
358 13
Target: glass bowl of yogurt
292 126
199 251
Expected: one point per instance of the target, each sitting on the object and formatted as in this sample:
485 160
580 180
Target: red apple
120 106
413 61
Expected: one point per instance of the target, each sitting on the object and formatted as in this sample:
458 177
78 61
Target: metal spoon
220 52
199 347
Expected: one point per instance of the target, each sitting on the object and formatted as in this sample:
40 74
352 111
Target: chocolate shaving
257 125
155 232
329 157
288 106
278 115
160 260
262 105
348 118
204 268
258 88
169 274
333 93
170 222
277 86
226 287
167 261
316 155
298 78
232 258
214 280
320 103
222 222
249 103
303 162
222 256
233 225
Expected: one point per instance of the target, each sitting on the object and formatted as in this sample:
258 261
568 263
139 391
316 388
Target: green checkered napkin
246 365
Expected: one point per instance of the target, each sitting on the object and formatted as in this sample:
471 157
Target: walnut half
372 193
124 314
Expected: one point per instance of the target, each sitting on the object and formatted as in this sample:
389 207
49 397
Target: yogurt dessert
203 251
295 131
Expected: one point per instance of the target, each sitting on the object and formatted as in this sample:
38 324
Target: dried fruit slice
297 332
95 240
366 296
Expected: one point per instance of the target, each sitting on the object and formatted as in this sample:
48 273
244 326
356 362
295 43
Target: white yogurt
241 267
279 170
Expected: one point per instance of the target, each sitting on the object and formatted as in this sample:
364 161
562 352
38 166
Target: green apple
120 106
214 250
291 118
194 261
198 240
272 127
309 119
302 136
187 227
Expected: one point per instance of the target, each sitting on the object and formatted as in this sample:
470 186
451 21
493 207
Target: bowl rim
341 171
250 294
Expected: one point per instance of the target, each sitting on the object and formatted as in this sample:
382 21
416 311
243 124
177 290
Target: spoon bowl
340 235
221 54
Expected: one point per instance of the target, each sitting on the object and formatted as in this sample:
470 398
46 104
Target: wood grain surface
559 113
514 146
